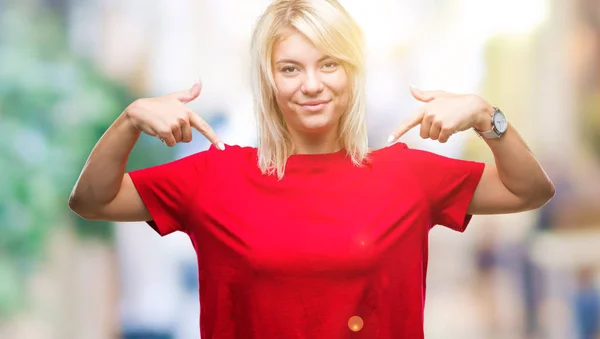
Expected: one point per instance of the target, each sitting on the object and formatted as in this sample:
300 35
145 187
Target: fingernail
221 146
195 83
413 86
390 139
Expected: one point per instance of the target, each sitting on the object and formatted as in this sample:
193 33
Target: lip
314 105
314 102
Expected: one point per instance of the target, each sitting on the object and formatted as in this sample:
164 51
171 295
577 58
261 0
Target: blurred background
69 68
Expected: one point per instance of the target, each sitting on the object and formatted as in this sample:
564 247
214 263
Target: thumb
190 94
423 96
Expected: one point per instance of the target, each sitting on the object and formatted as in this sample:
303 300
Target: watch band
493 133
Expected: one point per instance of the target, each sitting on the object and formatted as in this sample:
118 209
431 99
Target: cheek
340 84
342 90
285 89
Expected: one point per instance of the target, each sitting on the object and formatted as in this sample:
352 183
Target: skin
104 191
312 93
515 183
303 75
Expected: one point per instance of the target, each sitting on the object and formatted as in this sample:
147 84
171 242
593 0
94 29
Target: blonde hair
331 29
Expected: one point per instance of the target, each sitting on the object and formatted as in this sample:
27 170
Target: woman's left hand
444 114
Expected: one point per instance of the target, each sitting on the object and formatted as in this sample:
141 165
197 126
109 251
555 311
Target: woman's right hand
169 119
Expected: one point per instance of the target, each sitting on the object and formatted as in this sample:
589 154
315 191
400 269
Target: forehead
295 46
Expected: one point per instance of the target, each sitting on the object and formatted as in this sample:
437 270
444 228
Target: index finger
407 125
201 126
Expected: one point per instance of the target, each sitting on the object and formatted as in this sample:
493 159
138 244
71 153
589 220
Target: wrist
125 123
484 113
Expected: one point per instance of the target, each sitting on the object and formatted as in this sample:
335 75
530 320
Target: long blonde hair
331 29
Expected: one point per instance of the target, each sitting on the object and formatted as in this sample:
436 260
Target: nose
312 84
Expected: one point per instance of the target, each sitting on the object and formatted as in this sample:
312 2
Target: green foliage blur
54 106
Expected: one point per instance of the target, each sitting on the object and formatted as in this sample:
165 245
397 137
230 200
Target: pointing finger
407 125
201 126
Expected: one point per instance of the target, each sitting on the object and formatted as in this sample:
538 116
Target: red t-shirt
331 251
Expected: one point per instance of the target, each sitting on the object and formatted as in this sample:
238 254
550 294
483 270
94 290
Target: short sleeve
449 185
168 190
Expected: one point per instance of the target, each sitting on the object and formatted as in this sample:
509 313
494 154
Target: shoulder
395 153
400 152
231 153
389 151
401 156
212 157
390 159
233 158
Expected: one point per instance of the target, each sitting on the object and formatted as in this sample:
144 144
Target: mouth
315 105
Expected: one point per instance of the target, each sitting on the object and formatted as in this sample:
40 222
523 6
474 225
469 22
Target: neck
318 143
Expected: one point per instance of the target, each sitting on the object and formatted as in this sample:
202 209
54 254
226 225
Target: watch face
500 122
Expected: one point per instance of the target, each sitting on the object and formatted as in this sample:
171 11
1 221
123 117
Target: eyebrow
290 61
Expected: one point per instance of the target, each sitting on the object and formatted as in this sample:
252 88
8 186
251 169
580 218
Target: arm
517 182
104 191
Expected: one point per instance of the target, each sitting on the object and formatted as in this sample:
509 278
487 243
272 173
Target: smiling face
308 82
312 88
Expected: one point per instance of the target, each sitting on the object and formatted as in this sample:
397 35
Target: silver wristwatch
499 125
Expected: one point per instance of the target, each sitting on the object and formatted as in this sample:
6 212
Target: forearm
102 174
517 167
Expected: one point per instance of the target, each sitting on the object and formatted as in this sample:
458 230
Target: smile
314 106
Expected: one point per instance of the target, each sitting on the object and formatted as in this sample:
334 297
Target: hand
444 114
169 119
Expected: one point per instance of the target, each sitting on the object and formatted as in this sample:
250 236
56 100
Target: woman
310 235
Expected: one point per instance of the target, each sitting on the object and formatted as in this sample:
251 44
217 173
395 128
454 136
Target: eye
330 65
289 69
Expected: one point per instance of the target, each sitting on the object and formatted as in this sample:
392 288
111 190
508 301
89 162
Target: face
312 88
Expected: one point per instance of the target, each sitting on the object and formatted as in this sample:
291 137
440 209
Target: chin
317 123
